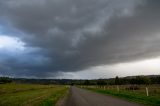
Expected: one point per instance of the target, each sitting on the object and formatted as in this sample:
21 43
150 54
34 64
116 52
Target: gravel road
81 97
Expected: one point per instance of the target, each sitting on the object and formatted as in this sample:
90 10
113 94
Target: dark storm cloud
73 35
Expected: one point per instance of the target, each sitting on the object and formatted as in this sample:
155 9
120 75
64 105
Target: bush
4 80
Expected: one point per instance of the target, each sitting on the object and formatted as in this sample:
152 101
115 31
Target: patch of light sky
143 67
11 43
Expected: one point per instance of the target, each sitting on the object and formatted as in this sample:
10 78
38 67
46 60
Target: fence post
104 88
117 88
147 91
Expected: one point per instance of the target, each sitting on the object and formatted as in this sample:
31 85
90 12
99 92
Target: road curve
81 97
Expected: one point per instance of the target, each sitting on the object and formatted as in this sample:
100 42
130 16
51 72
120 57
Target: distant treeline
5 80
152 79
139 80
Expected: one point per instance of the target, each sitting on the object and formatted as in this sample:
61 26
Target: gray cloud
72 35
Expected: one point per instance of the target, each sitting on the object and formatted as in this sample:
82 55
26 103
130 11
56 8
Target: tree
117 81
142 80
86 82
101 82
5 80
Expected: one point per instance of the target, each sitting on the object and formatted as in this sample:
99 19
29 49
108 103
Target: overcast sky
79 38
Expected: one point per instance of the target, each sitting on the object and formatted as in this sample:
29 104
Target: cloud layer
74 35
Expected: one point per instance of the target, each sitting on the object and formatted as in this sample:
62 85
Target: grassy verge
30 95
53 98
138 98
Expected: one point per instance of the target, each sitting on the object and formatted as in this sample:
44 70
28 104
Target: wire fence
148 90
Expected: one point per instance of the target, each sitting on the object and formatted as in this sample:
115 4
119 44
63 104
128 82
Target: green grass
134 97
30 94
50 100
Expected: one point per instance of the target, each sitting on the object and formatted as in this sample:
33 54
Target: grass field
30 94
138 96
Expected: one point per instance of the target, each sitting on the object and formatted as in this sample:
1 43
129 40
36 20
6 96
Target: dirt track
80 97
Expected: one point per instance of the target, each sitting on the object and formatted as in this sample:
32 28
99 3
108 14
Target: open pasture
30 94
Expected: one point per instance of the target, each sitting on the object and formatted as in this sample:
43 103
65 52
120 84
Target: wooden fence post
104 88
117 88
147 91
